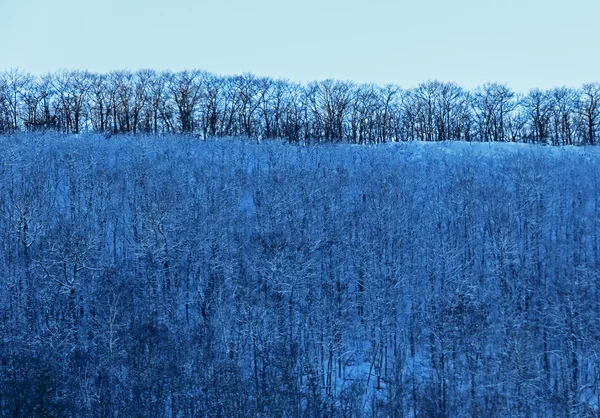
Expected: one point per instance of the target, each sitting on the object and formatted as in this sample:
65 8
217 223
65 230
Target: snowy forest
172 276
208 105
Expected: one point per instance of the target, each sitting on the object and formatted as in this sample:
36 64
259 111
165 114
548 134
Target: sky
523 43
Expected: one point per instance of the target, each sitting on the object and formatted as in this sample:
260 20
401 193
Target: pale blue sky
524 43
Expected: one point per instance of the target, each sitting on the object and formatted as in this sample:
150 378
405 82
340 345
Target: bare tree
563 103
589 112
493 104
14 83
186 90
538 106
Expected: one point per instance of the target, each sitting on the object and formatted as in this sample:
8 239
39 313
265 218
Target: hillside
171 276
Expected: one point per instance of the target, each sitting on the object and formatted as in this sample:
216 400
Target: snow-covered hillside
145 276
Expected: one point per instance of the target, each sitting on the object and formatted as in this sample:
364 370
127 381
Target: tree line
185 278
209 105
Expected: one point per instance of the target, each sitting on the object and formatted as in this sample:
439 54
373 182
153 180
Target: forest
200 103
172 276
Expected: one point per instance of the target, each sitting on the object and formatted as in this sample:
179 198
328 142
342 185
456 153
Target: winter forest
207 105
191 245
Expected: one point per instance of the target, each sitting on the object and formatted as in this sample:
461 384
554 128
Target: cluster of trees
178 278
204 104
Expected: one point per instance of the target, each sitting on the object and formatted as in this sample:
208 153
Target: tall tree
493 104
589 112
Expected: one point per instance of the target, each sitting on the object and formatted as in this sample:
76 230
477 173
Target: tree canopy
208 105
